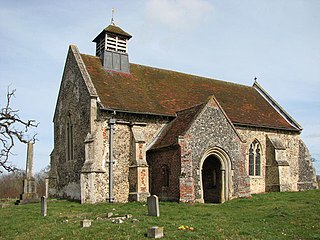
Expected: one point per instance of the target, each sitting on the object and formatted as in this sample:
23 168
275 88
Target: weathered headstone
85 223
29 193
44 206
155 232
153 206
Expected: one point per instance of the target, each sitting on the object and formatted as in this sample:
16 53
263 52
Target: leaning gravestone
29 193
153 206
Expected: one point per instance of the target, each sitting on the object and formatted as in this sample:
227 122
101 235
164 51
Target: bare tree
11 184
12 129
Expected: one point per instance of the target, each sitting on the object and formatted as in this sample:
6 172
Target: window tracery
255 159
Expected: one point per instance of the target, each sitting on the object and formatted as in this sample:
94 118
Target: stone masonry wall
122 151
293 154
307 174
212 129
74 103
269 170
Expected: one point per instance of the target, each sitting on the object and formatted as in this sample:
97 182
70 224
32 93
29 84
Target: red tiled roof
158 91
177 127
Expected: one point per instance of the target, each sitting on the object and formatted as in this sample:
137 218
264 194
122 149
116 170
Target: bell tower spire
112 47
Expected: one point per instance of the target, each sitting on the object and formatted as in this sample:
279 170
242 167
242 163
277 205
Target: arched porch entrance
211 180
216 171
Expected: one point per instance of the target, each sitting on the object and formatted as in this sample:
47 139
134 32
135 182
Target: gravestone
153 206
85 223
44 206
155 232
29 193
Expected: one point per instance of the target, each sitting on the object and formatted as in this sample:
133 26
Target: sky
276 41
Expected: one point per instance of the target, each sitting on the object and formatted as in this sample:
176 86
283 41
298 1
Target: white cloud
177 14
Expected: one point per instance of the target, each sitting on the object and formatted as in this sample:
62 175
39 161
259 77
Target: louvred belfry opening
116 43
112 48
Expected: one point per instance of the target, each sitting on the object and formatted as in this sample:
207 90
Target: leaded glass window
255 159
251 161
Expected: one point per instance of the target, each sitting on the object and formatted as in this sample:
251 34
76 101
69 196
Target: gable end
276 106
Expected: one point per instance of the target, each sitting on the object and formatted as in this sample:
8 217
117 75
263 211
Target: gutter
265 127
133 112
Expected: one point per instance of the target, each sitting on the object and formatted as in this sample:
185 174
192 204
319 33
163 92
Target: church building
124 131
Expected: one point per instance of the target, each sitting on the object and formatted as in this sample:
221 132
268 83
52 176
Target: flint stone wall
74 102
212 129
209 130
307 173
122 153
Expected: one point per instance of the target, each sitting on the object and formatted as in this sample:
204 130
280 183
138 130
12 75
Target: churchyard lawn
294 215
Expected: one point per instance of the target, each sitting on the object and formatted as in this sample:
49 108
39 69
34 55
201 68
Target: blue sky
276 41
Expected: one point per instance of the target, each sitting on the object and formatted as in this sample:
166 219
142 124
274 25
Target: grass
294 215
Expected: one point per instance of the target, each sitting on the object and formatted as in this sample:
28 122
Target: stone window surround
255 145
226 172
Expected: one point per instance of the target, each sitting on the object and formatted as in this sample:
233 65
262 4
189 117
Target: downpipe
112 122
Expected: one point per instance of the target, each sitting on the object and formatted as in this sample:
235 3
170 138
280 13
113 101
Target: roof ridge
179 72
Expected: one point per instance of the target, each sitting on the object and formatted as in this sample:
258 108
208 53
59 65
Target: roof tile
158 91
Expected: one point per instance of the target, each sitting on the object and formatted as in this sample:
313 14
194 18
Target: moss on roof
117 30
177 127
112 29
159 91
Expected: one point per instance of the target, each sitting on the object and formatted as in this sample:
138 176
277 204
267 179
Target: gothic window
255 159
69 138
165 175
257 163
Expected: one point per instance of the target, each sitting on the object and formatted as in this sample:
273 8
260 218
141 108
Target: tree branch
12 129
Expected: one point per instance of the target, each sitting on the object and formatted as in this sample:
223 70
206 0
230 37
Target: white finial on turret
112 19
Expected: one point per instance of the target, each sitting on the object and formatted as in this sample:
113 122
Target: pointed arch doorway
216 171
211 180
